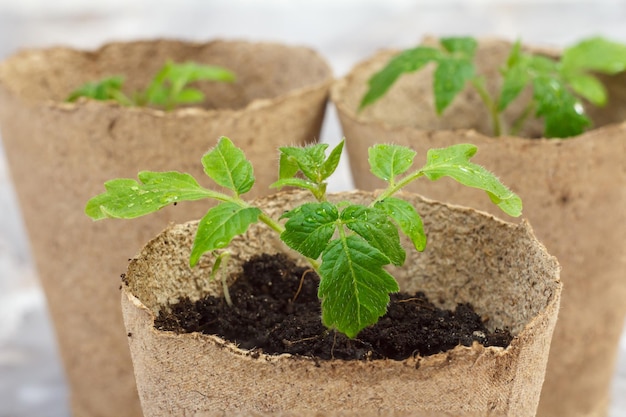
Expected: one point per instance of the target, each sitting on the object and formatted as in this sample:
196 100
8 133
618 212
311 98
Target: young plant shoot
558 87
168 89
347 244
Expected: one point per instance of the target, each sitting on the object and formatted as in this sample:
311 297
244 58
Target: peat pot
574 194
500 268
60 153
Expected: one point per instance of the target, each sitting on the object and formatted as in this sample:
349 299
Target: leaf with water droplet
310 227
407 218
563 113
373 225
125 198
226 164
310 159
219 226
454 162
388 161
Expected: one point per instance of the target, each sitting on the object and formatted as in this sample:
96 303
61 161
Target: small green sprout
557 86
167 90
348 245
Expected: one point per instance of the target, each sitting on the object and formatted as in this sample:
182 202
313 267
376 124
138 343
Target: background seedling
558 86
168 89
347 244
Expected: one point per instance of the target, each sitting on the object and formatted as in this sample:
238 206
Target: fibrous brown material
500 268
574 194
60 154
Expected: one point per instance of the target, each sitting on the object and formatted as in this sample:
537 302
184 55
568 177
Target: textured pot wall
574 194
514 282
60 155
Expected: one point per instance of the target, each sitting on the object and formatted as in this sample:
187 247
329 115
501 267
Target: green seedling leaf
389 161
287 167
128 199
219 226
541 65
590 88
561 82
520 70
227 165
330 164
516 77
354 287
407 218
595 54
310 227
451 76
355 242
190 95
374 227
407 61
189 72
464 45
296 182
310 159
563 114
454 69
106 89
515 80
167 89
454 162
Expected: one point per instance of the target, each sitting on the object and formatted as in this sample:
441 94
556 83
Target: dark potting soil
276 310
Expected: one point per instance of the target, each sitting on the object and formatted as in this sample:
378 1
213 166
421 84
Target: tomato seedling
168 89
347 244
558 86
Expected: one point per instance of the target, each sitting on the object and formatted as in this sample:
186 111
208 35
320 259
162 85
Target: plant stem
394 188
222 258
491 105
277 227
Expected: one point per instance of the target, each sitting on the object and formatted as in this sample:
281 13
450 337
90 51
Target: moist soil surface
276 310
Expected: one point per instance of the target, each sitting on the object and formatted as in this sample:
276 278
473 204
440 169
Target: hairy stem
273 224
395 187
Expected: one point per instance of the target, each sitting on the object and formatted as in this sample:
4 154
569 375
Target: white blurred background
344 31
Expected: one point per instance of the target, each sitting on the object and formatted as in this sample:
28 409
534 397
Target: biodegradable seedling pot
500 268
59 153
574 193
